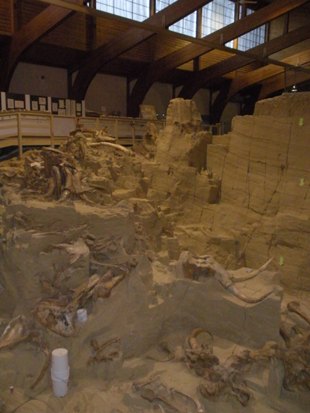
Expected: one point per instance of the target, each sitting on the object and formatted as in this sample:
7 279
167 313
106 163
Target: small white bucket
60 387
81 315
60 371
60 360
60 382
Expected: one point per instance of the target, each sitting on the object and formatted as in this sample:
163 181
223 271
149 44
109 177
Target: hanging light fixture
294 89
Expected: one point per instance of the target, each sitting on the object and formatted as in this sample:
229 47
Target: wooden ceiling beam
201 78
220 37
24 38
260 75
126 41
282 81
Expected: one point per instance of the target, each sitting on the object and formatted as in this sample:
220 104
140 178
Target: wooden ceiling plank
30 33
126 41
162 66
266 49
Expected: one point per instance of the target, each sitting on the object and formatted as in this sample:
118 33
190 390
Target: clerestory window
131 9
252 38
187 25
215 15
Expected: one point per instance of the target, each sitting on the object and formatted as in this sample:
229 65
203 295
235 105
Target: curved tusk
246 299
253 273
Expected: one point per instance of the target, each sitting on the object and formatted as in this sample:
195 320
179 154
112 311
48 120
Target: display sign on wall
56 106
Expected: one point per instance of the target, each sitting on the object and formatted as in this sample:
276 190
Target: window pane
161 4
216 15
132 9
253 38
187 25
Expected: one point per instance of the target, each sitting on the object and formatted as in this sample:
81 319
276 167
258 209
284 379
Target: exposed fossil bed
161 244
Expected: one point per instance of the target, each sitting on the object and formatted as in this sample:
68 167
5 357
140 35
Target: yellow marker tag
281 260
301 122
302 182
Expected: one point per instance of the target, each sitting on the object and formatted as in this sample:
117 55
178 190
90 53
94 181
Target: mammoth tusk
111 145
235 291
253 273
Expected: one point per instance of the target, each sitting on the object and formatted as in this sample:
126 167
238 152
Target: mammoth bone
218 377
64 178
58 315
199 267
167 399
20 329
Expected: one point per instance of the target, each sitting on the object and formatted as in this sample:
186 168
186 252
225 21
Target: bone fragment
15 332
295 307
112 145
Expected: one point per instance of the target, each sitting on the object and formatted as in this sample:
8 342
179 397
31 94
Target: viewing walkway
25 128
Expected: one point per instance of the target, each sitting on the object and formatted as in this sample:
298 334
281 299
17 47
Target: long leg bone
16 331
19 330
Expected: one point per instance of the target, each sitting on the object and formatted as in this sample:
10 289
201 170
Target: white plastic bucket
60 371
81 315
60 359
60 387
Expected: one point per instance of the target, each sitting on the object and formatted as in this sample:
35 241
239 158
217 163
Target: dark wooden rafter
236 62
282 81
159 68
126 41
24 38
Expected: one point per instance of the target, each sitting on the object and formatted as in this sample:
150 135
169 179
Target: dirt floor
190 254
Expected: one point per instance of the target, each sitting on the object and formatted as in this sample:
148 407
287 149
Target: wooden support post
19 135
199 23
152 7
116 129
52 130
286 23
173 91
133 133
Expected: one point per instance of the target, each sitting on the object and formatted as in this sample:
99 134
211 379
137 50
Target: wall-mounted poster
19 104
10 104
55 107
42 100
78 109
34 105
